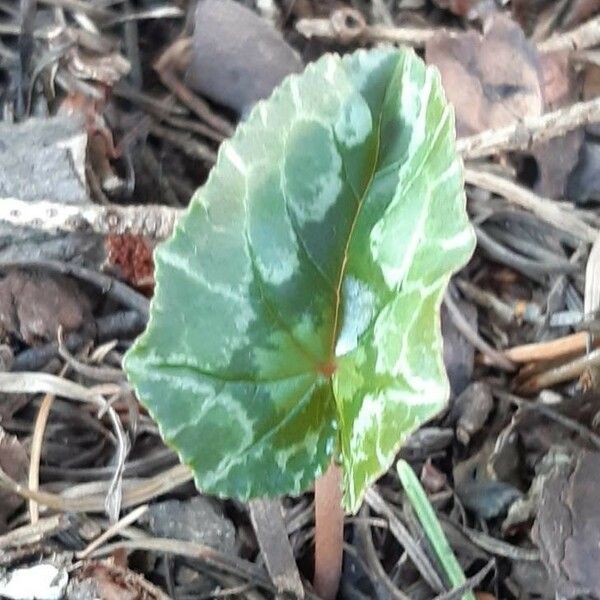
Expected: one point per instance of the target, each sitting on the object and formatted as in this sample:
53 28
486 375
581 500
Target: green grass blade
431 525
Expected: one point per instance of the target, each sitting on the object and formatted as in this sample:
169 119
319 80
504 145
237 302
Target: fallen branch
157 221
524 134
545 209
153 221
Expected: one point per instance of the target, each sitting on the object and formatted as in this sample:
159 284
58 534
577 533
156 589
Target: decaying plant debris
87 488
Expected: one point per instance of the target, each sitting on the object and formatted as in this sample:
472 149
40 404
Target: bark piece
472 408
44 159
459 354
195 520
567 528
269 526
238 58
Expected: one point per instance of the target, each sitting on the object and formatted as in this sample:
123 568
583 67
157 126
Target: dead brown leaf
557 157
14 462
493 80
34 305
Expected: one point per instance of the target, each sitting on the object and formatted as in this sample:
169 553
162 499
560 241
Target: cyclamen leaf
296 312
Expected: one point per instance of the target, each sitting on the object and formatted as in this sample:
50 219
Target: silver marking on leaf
354 124
357 312
312 180
234 158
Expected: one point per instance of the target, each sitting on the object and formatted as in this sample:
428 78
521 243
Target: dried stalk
564 346
37 441
266 515
142 490
113 530
34 533
566 372
545 209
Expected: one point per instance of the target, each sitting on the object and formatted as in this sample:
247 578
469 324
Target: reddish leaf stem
329 532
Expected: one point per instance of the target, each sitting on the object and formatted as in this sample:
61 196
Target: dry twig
585 36
564 346
347 26
113 530
524 134
565 372
30 534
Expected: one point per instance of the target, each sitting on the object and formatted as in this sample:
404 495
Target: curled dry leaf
530 13
492 80
527 12
14 462
567 528
33 305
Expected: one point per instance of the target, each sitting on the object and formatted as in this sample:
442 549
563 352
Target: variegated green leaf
296 313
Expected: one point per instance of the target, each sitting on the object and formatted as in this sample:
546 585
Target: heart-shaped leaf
296 312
